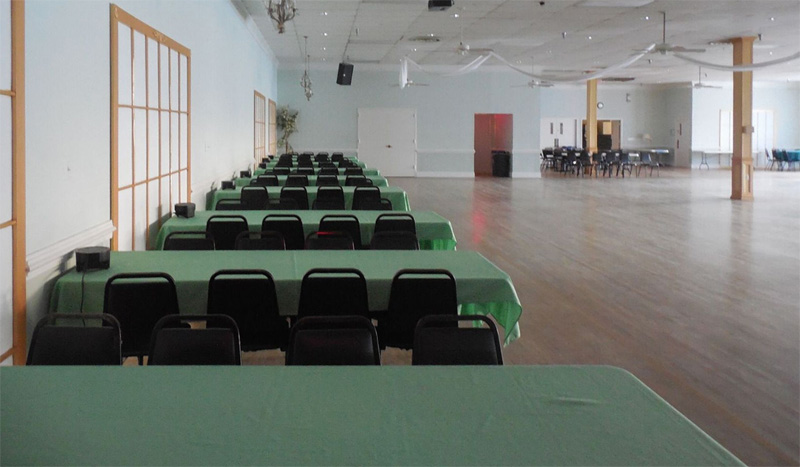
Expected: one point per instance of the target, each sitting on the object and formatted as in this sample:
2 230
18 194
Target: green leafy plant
287 123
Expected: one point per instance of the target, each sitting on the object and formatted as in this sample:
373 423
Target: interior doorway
493 132
387 140
609 133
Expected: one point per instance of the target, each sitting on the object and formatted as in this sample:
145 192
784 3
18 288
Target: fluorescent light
615 3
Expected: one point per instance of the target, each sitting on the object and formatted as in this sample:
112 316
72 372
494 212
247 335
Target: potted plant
287 123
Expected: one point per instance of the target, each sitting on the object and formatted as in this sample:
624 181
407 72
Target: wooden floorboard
697 295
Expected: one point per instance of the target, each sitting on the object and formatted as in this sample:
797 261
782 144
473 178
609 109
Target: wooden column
742 163
591 116
18 168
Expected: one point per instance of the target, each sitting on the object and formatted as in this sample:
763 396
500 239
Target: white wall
68 106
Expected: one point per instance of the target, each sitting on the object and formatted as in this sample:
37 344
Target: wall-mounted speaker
345 75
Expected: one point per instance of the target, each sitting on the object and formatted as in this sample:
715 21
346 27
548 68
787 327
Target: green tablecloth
367 172
377 180
482 287
274 162
433 231
392 415
396 195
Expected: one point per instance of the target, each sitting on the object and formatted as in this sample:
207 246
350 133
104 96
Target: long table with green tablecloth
482 288
396 195
377 180
434 232
389 415
367 172
357 162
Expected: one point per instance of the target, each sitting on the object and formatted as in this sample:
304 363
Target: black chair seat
76 341
340 340
216 344
438 342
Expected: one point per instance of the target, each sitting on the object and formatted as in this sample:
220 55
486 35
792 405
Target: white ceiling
525 32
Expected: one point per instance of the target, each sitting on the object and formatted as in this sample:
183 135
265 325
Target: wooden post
591 116
19 339
742 162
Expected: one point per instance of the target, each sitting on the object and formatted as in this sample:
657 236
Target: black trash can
501 164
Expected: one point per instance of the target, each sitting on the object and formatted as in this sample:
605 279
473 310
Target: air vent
428 38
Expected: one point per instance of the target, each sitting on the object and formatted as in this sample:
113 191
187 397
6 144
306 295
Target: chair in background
372 204
265 240
298 193
185 240
321 157
354 171
278 170
254 198
600 162
229 205
138 301
290 226
225 228
415 293
394 240
305 170
547 160
282 204
570 163
337 157
612 160
625 163
787 160
265 180
174 343
76 341
342 223
394 222
248 296
365 194
357 180
333 292
330 198
296 180
327 180
645 161
328 170
329 240
285 163
584 162
333 340
438 342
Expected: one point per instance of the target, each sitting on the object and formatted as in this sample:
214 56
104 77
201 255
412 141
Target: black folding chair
265 180
174 343
333 240
343 223
264 240
327 180
394 240
290 226
229 205
225 228
138 301
333 292
189 240
248 296
333 340
298 193
438 342
357 180
80 339
254 198
296 180
366 196
329 198
394 222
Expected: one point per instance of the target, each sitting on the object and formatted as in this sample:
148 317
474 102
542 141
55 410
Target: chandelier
305 81
281 11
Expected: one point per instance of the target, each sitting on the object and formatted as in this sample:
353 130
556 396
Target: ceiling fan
464 48
663 48
699 84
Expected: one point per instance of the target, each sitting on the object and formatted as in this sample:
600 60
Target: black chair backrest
138 301
357 180
80 339
285 163
254 197
329 170
321 157
337 157
225 229
329 240
365 193
248 296
173 343
298 193
394 222
327 180
437 342
333 292
229 205
343 223
354 171
394 240
290 226
265 180
328 165
329 197
282 204
305 170
416 293
189 240
372 204
296 180
266 240
645 158
333 340
277 170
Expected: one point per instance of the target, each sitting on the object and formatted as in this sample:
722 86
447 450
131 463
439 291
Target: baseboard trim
446 174
56 256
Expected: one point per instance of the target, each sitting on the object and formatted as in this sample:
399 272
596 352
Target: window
260 127
150 129
273 128
12 182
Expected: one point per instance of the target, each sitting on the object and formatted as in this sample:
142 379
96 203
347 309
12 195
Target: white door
387 140
557 132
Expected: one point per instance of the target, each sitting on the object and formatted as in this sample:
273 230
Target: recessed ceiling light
415 49
324 48
324 13
324 59
770 53
519 61
564 35
647 18
589 37
455 15
325 34
772 18
431 34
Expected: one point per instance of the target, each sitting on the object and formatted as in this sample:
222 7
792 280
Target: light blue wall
445 114
68 92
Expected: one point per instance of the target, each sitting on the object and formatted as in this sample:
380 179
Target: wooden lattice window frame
273 128
259 127
16 222
172 102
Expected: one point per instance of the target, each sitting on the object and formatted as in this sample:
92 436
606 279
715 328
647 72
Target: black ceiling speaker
345 75
439 5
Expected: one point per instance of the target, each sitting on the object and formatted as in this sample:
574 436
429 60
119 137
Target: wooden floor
695 294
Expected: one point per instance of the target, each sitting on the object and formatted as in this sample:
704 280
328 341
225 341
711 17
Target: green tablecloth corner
506 314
